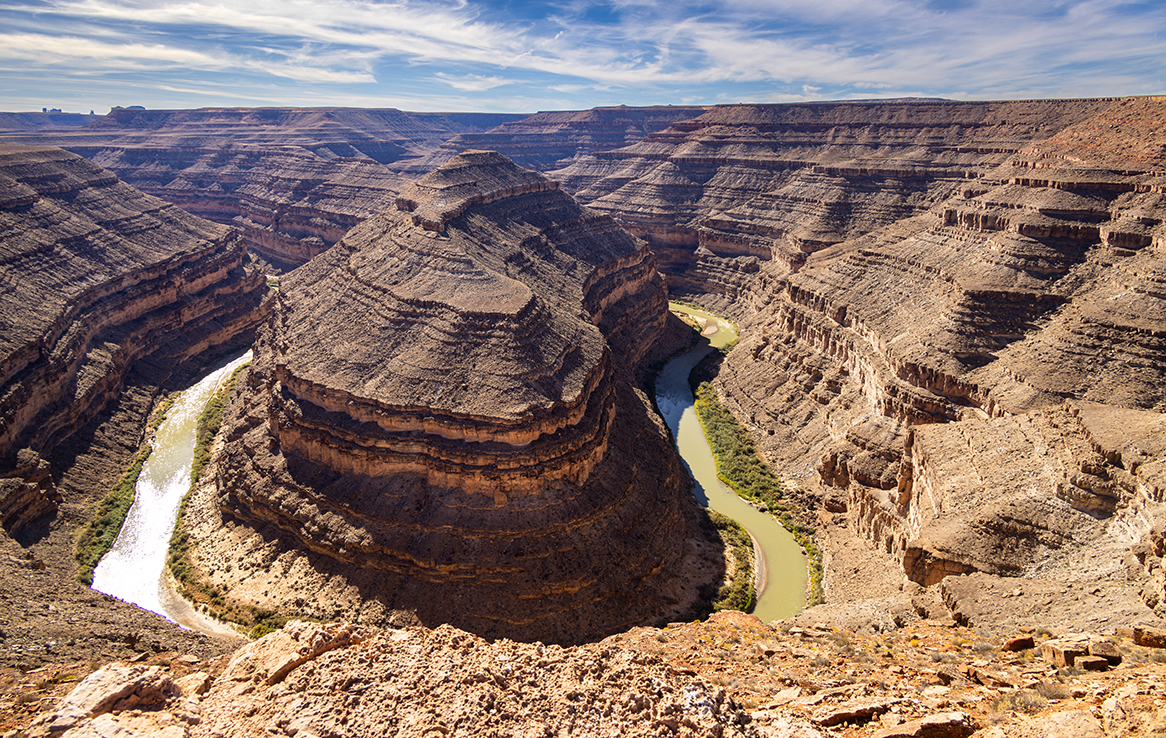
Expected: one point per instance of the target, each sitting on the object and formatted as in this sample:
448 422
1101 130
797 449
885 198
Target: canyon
444 423
952 324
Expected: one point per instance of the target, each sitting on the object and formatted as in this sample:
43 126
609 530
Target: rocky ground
730 676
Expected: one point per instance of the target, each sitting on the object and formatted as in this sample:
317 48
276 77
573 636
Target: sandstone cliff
441 418
293 180
98 279
743 185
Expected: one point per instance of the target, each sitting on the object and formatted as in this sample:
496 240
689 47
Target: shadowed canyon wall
443 422
98 279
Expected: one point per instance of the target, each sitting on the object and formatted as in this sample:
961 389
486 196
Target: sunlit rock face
441 419
98 279
944 377
741 186
942 303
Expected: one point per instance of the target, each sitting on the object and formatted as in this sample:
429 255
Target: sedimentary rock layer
292 180
441 417
98 278
945 374
554 139
742 185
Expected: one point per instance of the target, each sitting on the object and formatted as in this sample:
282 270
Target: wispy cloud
472 82
599 53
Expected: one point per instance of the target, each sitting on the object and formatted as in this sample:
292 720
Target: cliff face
945 377
292 180
441 419
745 185
98 278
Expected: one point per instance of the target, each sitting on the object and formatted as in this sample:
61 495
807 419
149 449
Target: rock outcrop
292 180
730 676
442 417
98 279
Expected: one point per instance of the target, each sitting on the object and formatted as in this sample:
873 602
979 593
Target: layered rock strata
98 279
961 381
743 185
441 418
551 140
293 180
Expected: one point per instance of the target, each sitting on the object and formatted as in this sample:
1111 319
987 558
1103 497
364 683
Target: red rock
941 725
1091 663
1019 643
854 711
1106 650
1063 652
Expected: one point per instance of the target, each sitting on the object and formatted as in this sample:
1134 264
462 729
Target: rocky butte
443 422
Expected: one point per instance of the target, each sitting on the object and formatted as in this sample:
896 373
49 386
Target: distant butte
442 422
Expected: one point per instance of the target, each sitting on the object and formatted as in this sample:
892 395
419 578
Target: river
133 570
782 565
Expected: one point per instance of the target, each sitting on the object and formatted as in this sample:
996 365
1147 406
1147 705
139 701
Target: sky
520 56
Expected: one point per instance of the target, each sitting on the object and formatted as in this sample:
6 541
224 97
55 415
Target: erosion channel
133 569
781 580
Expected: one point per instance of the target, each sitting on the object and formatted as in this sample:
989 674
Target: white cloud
472 82
775 49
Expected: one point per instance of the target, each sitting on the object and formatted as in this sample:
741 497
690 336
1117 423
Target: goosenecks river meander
134 569
781 564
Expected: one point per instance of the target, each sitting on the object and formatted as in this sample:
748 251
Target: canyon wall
554 139
943 302
292 180
98 279
443 422
742 185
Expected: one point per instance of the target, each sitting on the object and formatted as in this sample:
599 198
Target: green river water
782 565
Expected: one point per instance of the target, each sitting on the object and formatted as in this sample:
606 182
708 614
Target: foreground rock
442 422
730 676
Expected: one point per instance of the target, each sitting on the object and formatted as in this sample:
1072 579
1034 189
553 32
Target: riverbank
780 567
132 571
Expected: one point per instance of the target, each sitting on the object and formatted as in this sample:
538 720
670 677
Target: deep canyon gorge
953 355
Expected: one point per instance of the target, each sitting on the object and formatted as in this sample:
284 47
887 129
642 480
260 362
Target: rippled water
132 570
783 583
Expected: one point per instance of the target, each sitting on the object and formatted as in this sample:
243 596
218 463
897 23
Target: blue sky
520 56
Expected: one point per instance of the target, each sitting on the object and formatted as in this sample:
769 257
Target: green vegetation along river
133 569
781 563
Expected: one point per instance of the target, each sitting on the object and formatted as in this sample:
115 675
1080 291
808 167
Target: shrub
743 471
97 536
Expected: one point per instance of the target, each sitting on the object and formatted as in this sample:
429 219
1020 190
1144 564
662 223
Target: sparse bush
739 594
743 471
1052 691
982 646
1022 700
